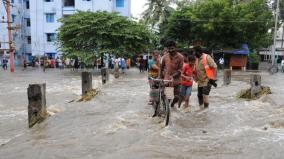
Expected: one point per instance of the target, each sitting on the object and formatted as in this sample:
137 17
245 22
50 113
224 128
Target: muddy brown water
117 123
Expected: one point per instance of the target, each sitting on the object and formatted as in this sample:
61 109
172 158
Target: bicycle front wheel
167 110
273 69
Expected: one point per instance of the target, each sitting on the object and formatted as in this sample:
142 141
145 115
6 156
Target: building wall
40 27
3 28
20 32
125 10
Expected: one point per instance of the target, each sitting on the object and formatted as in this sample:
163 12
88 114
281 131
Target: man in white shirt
221 63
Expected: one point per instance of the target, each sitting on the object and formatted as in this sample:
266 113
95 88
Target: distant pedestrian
282 65
60 64
128 63
146 63
122 65
25 64
67 62
76 63
5 64
141 64
221 63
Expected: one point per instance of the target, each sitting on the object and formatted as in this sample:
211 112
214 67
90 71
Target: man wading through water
171 68
205 76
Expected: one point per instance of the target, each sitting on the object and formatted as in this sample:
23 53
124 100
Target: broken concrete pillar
255 80
86 82
227 76
104 75
37 103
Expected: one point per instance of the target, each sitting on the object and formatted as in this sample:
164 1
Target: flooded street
118 124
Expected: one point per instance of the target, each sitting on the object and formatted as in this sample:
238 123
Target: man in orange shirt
205 76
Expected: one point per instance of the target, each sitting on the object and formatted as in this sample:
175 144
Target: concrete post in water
104 73
255 81
37 103
86 82
227 76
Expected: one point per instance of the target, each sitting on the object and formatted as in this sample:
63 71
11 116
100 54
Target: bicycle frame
162 99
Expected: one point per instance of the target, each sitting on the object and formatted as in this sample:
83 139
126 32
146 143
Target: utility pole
275 34
11 49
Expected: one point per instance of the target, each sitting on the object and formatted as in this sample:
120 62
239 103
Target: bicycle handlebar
160 80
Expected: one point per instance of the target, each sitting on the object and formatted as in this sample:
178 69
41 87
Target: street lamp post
11 49
275 34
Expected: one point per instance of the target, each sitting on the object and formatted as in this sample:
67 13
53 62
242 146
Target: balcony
68 10
68 7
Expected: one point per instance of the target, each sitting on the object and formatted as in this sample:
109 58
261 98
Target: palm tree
157 12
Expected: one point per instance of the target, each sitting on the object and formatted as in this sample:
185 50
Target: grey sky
137 7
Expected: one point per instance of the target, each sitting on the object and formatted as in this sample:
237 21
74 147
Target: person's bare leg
206 101
186 101
181 98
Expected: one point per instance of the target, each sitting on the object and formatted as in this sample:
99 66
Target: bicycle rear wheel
167 110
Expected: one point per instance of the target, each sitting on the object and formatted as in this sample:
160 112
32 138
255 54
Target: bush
253 58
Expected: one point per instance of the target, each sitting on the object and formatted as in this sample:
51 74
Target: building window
28 20
119 3
69 3
29 39
13 18
27 4
48 0
50 17
50 37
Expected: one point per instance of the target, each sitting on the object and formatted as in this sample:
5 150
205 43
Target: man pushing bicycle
171 68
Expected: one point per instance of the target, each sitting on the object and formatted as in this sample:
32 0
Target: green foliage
157 11
88 35
253 58
221 23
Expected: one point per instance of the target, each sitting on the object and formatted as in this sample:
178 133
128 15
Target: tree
222 23
157 11
89 34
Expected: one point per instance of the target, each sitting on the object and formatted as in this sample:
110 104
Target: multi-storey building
35 23
279 47
45 14
21 34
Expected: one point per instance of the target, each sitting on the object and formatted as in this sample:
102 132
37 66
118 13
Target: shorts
204 90
185 91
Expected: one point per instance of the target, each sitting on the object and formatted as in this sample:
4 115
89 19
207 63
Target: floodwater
118 124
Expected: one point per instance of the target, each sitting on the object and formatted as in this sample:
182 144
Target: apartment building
21 33
266 53
44 16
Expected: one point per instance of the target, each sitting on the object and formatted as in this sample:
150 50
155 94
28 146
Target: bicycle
273 69
159 98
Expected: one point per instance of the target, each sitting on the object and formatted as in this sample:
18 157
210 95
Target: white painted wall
39 26
3 28
20 33
126 10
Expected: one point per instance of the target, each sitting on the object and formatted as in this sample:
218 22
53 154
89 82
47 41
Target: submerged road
117 123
